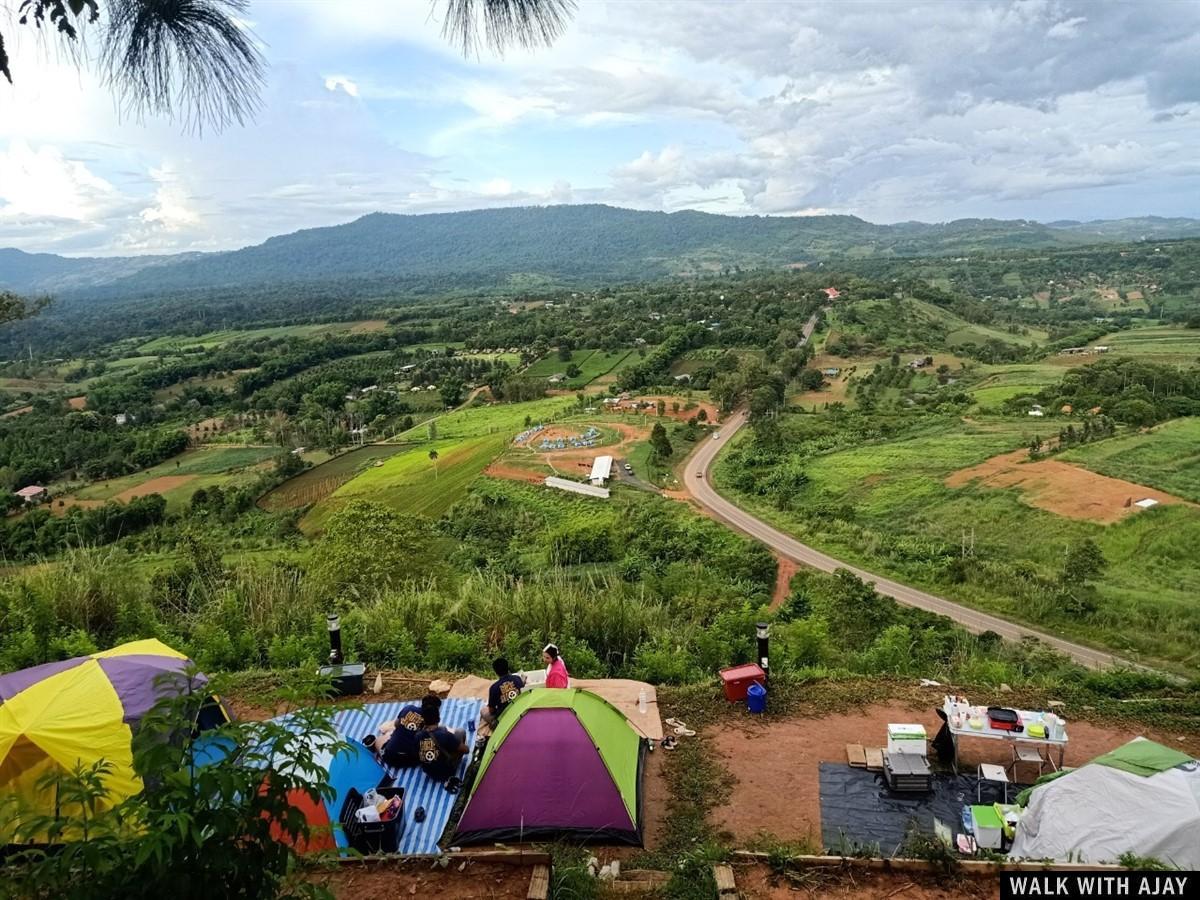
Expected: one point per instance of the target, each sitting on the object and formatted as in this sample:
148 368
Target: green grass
1166 457
903 521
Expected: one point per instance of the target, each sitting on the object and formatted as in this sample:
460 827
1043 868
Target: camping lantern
762 631
335 639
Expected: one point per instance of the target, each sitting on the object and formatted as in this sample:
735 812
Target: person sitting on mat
504 690
557 675
440 748
398 740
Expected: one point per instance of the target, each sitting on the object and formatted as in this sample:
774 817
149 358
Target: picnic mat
620 692
419 789
358 768
857 809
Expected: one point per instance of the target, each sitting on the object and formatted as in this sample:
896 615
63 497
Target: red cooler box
738 679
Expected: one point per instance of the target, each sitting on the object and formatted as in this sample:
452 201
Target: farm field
317 483
497 418
178 478
592 365
1166 344
228 336
964 332
897 515
1000 382
410 482
1166 457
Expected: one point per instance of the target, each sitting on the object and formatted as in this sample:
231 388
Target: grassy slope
222 466
592 365
1166 457
999 382
1147 597
218 338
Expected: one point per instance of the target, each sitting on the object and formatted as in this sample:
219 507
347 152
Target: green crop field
317 483
410 482
898 518
1170 345
1166 457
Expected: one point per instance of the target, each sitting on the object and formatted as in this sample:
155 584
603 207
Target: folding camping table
987 732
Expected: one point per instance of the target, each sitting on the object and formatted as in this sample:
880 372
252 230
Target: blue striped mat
419 790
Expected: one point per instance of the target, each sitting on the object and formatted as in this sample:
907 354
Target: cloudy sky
891 111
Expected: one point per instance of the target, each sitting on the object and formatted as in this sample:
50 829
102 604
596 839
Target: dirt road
697 484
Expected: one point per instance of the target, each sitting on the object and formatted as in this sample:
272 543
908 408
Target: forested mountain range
585 243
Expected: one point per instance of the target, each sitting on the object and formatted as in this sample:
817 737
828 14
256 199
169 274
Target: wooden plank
539 884
874 758
726 886
856 756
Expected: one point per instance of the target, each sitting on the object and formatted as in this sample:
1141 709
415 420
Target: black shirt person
504 690
439 749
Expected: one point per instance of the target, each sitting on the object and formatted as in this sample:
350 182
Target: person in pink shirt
556 670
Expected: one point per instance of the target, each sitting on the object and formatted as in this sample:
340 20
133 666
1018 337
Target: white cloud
42 183
341 83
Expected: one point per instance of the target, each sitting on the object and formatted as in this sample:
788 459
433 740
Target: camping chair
1030 754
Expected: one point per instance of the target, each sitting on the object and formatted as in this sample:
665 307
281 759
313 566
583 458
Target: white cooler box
906 739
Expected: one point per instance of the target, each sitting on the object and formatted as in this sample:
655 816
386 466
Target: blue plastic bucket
756 698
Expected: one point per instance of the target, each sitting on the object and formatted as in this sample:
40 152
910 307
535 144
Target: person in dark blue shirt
400 750
504 690
438 748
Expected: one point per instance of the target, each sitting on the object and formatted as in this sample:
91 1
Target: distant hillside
561 243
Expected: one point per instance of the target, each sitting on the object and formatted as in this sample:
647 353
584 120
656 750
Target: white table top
998 734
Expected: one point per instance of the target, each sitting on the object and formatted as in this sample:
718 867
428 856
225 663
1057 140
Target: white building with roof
601 470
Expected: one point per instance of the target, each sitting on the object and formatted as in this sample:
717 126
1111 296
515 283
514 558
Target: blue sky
888 110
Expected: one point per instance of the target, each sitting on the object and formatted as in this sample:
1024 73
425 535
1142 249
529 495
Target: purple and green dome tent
560 764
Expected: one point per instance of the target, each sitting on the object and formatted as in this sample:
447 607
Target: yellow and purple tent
78 711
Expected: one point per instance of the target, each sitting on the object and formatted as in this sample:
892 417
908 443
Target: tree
1085 562
451 391
196 60
432 429
573 371
661 407
659 441
433 458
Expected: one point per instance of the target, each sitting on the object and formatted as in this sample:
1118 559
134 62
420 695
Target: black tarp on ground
857 808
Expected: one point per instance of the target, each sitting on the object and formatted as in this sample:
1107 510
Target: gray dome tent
1142 798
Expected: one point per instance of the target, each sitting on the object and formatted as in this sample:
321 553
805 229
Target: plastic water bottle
642 701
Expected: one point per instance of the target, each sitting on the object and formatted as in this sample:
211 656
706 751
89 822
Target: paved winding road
698 485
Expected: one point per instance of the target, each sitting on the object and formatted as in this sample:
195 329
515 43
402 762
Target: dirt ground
1060 487
836 387
783 580
77 402
423 879
763 757
759 882
12 414
159 485
532 466
60 506
368 325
